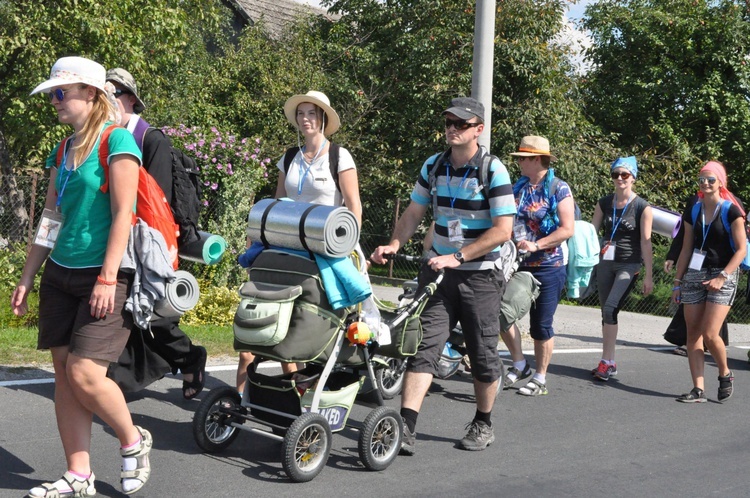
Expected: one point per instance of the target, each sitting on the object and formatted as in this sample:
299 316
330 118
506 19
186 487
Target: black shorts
473 298
65 313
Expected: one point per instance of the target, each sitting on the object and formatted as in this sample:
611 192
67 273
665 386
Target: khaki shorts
65 313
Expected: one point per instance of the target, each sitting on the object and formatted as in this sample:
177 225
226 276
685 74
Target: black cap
466 108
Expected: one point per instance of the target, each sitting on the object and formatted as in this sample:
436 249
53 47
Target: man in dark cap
473 208
166 347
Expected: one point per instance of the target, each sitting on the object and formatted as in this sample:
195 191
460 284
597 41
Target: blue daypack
724 215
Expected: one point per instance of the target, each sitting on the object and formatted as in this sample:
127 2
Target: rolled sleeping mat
181 296
666 223
330 231
208 249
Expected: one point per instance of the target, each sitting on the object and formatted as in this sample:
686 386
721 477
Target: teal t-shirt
82 242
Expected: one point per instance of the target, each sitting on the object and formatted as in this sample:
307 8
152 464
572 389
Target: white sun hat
69 70
320 99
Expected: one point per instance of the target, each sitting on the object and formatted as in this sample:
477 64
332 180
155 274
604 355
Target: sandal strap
140 452
79 487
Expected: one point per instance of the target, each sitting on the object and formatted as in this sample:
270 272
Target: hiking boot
480 436
408 442
726 387
695 395
604 371
514 375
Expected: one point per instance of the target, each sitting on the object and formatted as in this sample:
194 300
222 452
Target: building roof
276 14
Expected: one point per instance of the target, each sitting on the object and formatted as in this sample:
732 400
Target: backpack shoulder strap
432 179
484 174
333 163
694 212
61 150
139 133
289 157
104 154
725 205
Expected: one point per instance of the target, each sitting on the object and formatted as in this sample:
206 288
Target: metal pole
484 54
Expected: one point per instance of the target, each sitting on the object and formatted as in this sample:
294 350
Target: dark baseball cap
466 108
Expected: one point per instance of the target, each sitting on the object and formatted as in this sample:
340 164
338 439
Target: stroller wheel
211 428
380 438
306 446
390 379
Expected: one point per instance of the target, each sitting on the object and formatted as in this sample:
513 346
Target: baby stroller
285 315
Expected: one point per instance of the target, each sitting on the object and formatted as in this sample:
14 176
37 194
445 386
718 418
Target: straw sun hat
319 99
533 145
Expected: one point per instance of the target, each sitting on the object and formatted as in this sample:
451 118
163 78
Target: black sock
483 417
410 417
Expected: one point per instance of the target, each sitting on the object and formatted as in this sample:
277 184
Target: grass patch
18 344
18 347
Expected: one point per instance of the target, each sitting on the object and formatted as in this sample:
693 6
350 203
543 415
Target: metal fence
380 213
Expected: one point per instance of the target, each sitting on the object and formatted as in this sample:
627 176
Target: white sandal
139 452
79 487
533 388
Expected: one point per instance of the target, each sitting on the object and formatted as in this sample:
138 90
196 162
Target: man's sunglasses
459 124
119 92
705 179
620 174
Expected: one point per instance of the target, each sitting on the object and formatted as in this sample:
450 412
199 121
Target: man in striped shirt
472 221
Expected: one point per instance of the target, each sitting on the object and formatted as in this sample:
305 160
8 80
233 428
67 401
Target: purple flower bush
220 157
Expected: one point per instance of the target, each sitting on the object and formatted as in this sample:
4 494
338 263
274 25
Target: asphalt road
627 437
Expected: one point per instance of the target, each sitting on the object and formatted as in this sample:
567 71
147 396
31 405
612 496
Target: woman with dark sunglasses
707 276
626 219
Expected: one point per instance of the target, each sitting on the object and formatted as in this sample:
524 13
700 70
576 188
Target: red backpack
151 203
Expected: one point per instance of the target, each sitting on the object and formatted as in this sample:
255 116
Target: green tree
670 79
145 37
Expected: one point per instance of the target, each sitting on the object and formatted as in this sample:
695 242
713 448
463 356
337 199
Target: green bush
216 306
12 259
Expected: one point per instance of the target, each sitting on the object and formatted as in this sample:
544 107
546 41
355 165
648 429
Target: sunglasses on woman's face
706 179
620 174
58 93
459 124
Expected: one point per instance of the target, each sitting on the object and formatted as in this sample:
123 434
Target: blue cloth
342 281
583 256
246 258
629 163
344 284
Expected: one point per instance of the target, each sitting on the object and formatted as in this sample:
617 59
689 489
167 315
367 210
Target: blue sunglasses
58 93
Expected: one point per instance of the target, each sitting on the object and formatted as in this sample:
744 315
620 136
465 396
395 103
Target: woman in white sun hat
82 319
308 178
306 172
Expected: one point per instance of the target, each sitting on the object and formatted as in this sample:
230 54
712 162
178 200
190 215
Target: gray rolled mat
207 250
182 295
666 223
326 230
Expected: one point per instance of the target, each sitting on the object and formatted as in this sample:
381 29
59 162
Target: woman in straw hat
707 276
82 319
305 173
627 220
545 219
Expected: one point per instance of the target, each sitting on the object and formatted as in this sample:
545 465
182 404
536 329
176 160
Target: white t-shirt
315 185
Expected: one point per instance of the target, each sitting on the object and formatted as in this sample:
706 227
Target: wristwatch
459 256
724 274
